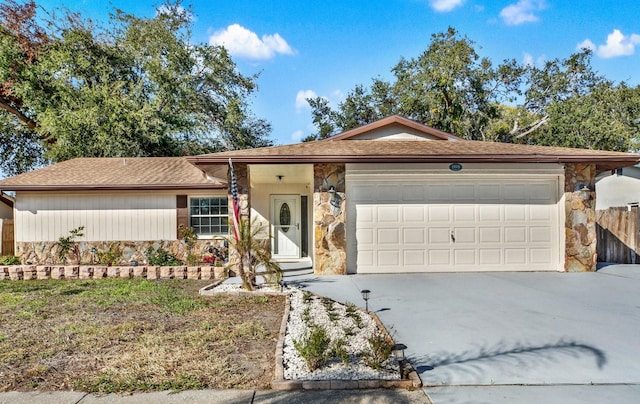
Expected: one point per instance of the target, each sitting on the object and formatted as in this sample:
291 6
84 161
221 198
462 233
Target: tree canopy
138 87
451 88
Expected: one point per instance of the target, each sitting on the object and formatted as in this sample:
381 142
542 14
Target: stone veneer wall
580 218
46 253
330 235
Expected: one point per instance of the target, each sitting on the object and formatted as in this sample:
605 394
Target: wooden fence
618 235
6 228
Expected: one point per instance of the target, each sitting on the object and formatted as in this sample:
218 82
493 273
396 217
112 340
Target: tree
136 88
448 87
451 88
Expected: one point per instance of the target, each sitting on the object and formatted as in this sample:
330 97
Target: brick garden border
43 272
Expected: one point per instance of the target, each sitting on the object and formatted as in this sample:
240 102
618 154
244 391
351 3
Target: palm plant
251 252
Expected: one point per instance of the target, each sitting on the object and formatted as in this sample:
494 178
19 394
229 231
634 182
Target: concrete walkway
566 330
223 396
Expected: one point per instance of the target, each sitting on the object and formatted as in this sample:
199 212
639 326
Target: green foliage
253 250
68 245
189 237
137 87
314 347
161 257
380 348
109 257
9 260
452 88
338 350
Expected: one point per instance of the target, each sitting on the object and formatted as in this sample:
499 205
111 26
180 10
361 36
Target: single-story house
618 188
391 196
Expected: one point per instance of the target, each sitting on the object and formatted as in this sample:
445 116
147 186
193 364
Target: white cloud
617 44
243 43
529 60
521 12
296 136
301 99
444 6
586 44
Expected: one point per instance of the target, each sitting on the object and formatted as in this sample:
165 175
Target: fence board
617 235
6 247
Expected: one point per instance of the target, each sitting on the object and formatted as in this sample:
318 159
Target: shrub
314 348
68 245
109 257
380 348
161 257
9 260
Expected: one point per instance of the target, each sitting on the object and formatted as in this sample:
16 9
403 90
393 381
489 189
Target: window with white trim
209 216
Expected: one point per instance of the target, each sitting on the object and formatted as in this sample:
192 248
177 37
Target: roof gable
394 128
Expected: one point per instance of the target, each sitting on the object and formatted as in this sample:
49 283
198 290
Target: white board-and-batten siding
105 217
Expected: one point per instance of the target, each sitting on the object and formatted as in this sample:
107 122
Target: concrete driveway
501 329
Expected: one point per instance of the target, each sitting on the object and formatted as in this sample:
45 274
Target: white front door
285 219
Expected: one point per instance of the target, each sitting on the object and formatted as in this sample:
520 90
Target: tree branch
18 114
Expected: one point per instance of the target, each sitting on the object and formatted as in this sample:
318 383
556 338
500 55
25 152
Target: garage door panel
541 255
365 237
407 225
515 256
389 235
388 258
387 214
440 235
490 213
439 257
515 213
413 236
464 213
464 235
539 213
414 257
439 214
365 258
540 234
464 256
515 235
490 256
489 235
413 214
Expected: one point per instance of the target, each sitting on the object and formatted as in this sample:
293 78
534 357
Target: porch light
280 178
365 296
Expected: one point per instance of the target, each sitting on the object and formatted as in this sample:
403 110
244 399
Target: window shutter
182 213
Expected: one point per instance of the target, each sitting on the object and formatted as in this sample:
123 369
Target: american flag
235 204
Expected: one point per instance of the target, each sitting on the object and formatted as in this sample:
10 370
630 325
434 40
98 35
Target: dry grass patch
116 335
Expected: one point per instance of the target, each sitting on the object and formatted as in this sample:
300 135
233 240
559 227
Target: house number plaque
455 166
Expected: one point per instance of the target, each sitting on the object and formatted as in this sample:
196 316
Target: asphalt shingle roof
114 173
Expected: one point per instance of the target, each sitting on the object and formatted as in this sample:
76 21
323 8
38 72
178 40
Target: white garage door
481 224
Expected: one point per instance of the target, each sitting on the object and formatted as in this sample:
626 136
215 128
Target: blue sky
309 48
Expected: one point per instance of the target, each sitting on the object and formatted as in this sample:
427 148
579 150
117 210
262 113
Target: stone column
329 217
580 218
